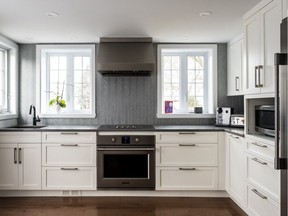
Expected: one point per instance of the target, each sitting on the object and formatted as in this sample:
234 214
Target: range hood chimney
125 56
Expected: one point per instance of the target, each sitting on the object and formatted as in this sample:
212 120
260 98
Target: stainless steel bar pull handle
260 145
237 84
19 156
187 144
69 133
125 149
15 155
187 169
256 81
69 145
186 133
259 194
259 161
259 76
63 168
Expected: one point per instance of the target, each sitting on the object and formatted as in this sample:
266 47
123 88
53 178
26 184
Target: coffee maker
223 115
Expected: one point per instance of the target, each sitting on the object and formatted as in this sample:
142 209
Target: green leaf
53 101
62 103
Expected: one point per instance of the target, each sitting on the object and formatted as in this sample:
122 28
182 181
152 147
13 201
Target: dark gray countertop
171 128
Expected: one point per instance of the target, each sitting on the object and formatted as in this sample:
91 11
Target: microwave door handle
279 163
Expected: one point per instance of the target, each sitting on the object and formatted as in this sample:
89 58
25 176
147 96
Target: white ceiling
25 21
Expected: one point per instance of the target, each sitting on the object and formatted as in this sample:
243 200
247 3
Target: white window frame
41 74
11 79
211 50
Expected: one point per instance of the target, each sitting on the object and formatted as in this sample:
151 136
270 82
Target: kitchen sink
28 126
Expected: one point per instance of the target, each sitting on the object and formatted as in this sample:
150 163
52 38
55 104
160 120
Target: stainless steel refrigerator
281 116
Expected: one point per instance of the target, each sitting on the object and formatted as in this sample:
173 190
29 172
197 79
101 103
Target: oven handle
125 149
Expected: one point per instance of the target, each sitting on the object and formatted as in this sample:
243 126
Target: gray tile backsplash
120 100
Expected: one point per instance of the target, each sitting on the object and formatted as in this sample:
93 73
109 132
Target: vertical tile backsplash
119 100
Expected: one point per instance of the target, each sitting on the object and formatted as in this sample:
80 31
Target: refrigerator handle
279 59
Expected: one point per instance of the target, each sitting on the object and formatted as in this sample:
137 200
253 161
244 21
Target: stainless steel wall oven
126 162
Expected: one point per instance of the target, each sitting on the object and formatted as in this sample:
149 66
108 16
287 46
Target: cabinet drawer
69 137
69 154
197 178
187 137
259 204
20 137
262 174
261 149
68 178
187 154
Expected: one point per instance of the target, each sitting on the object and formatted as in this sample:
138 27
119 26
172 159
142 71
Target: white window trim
39 81
198 48
13 78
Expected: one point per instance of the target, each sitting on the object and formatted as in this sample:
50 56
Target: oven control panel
103 140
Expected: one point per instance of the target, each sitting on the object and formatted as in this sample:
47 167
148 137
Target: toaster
237 120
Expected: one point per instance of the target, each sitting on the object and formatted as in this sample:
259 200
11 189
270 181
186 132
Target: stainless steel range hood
125 57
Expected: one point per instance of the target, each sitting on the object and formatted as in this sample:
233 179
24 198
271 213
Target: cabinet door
252 32
270 19
29 160
237 169
8 167
234 73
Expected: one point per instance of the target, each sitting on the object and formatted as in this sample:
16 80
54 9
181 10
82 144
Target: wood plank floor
119 206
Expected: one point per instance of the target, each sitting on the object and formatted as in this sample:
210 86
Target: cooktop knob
137 140
113 140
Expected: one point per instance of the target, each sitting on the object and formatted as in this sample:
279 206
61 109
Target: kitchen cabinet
263 181
20 161
187 161
69 160
261 41
235 66
236 169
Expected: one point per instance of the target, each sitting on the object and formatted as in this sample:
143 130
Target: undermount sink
28 126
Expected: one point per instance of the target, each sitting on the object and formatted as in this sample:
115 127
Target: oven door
123 168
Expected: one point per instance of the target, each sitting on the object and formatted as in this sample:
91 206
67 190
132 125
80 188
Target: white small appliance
223 115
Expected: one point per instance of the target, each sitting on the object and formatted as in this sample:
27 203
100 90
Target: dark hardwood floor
119 206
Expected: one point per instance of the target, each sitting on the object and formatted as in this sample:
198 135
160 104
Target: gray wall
120 100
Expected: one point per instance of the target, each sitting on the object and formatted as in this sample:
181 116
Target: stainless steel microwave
265 119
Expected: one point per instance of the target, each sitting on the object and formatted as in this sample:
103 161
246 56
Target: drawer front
69 155
261 149
259 204
187 137
262 174
197 178
67 178
187 155
20 137
69 137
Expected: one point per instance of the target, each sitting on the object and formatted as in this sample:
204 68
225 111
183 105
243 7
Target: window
3 81
187 80
8 78
66 72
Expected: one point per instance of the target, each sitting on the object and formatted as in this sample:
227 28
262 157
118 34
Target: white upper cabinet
261 41
235 67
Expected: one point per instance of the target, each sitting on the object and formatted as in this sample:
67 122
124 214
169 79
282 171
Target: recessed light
52 14
205 13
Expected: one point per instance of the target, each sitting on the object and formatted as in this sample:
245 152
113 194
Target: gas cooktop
126 127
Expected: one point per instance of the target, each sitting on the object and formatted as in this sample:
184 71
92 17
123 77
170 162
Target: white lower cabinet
20 161
236 169
69 178
187 161
187 178
260 204
69 160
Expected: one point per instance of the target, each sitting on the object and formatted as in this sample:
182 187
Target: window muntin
68 71
186 77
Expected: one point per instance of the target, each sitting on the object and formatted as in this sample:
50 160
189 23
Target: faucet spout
35 119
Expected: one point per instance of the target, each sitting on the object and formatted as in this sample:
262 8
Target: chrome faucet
35 119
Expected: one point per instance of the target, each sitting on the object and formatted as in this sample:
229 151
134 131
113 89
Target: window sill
186 116
62 115
5 116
